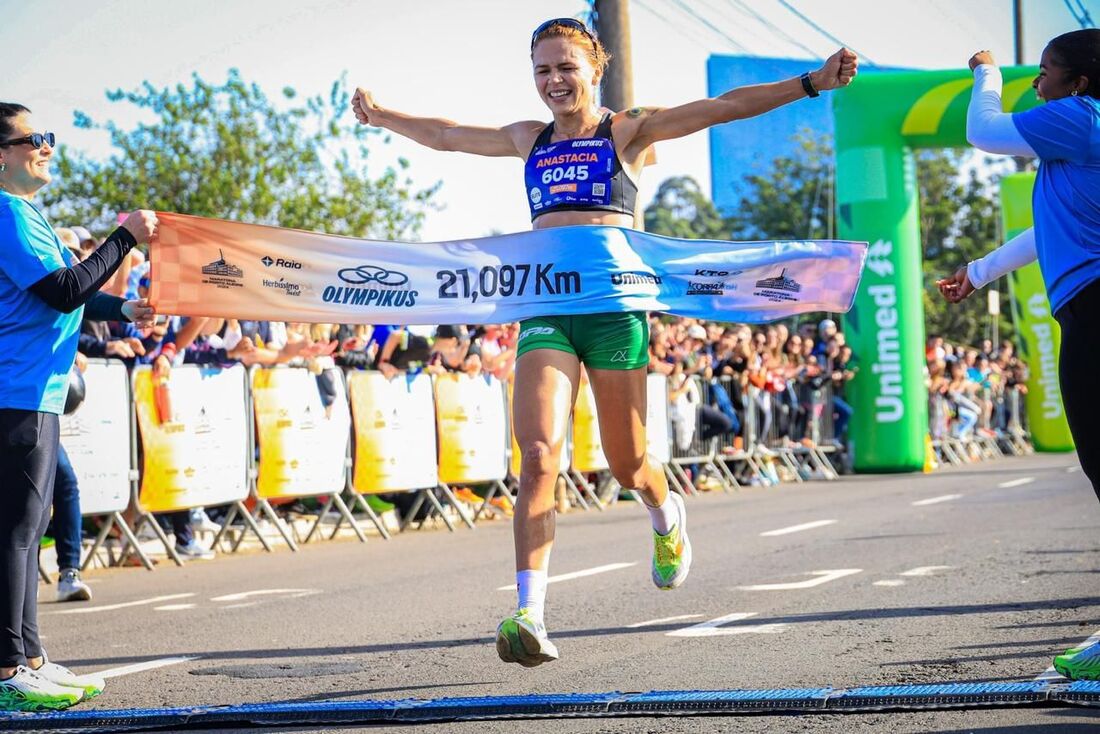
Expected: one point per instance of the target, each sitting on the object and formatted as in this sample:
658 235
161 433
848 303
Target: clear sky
466 60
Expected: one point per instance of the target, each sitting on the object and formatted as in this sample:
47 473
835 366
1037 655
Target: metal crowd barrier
998 431
788 436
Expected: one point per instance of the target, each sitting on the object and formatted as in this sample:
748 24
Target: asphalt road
979 574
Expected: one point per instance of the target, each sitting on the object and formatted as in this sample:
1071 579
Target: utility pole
1018 29
613 29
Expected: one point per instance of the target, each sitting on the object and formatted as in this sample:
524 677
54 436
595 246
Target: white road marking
823 577
925 570
123 605
293 593
242 605
889 582
1052 674
797 528
140 667
577 574
173 607
677 618
714 627
936 500
1072 469
1016 483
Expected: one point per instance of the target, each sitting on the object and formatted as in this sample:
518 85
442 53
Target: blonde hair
597 54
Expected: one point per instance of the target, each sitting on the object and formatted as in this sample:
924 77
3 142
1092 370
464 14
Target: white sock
531 588
665 516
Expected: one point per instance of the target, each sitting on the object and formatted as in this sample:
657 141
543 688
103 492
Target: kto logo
364 274
268 261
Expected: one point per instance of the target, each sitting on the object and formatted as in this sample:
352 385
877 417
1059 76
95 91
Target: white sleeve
988 128
1016 253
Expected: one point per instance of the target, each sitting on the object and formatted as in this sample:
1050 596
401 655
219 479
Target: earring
1072 94
3 166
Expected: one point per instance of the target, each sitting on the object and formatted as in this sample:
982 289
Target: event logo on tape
209 267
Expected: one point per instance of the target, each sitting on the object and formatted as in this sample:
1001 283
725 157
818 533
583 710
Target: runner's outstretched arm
441 134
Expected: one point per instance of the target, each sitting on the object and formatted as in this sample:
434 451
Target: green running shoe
522 639
29 691
1080 663
672 552
92 685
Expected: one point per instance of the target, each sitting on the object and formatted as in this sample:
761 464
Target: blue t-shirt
1065 134
37 342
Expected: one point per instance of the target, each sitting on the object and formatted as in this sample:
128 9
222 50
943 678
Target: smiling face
1055 81
565 78
26 168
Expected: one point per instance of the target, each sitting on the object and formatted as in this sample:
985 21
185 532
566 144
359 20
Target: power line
774 28
1085 13
667 22
1080 14
822 31
729 39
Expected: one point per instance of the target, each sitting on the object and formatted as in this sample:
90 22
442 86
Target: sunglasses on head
566 23
34 139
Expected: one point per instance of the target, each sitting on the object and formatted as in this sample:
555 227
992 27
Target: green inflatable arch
1040 337
879 121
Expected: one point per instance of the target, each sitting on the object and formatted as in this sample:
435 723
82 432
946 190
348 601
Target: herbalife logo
878 259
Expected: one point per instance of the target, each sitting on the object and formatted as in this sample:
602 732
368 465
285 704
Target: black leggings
1078 372
28 460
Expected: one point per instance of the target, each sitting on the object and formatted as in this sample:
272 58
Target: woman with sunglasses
1064 134
568 63
44 293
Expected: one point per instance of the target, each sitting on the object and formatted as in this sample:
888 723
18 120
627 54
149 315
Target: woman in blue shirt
1064 133
44 294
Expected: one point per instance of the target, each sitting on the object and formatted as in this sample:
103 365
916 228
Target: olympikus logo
587 143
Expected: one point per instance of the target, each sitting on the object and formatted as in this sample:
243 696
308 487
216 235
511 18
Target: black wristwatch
808 85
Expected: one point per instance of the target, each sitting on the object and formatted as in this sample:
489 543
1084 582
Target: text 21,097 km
508 280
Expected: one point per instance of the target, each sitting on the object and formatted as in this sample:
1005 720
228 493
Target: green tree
959 223
227 151
792 198
679 209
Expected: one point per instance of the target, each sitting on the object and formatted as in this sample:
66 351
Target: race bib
572 173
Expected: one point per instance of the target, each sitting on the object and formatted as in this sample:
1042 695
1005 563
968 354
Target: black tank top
579 174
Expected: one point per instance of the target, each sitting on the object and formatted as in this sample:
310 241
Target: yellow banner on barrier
394 424
473 432
303 446
588 453
198 455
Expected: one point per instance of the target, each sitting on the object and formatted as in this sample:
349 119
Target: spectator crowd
723 378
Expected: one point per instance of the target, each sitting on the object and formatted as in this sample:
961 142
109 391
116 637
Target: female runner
568 63
1064 133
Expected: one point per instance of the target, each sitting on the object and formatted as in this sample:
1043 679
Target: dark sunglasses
34 139
567 23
